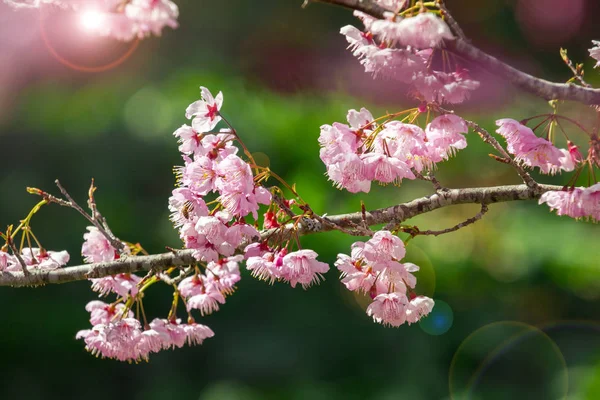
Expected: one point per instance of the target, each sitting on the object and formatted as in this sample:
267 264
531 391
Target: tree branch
537 86
389 215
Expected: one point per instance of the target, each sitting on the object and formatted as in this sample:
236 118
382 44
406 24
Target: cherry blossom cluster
363 151
403 48
35 259
122 20
117 334
576 202
374 268
212 166
534 151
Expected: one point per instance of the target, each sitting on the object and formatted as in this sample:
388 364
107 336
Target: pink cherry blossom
362 119
384 246
302 267
224 274
103 313
385 169
263 267
189 139
199 175
389 309
205 112
576 203
347 172
186 207
42 259
445 136
426 30
151 16
196 333
171 333
207 301
7 261
96 247
256 249
121 339
438 86
531 150
595 52
418 308
122 284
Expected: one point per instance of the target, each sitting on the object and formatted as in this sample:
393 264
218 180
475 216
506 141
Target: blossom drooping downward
374 268
534 151
363 151
576 202
595 52
402 49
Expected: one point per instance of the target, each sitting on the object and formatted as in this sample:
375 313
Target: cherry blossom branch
393 216
460 47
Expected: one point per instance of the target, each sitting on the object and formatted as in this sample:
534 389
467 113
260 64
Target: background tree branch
540 87
390 215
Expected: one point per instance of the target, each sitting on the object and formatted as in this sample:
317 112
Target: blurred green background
516 295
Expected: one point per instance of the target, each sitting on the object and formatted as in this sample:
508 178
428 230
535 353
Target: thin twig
469 221
98 222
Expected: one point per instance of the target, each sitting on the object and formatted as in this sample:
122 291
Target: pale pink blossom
445 136
360 120
356 276
7 261
207 301
151 16
189 139
531 150
567 202
263 266
217 147
199 175
384 169
103 313
347 172
576 202
541 153
186 206
224 274
238 232
122 284
205 111
196 333
423 31
42 259
440 87
96 247
355 37
595 52
302 267
256 249
337 140
418 308
171 333
389 309
121 339
383 246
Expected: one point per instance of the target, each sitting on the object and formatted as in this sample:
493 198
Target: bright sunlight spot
92 20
